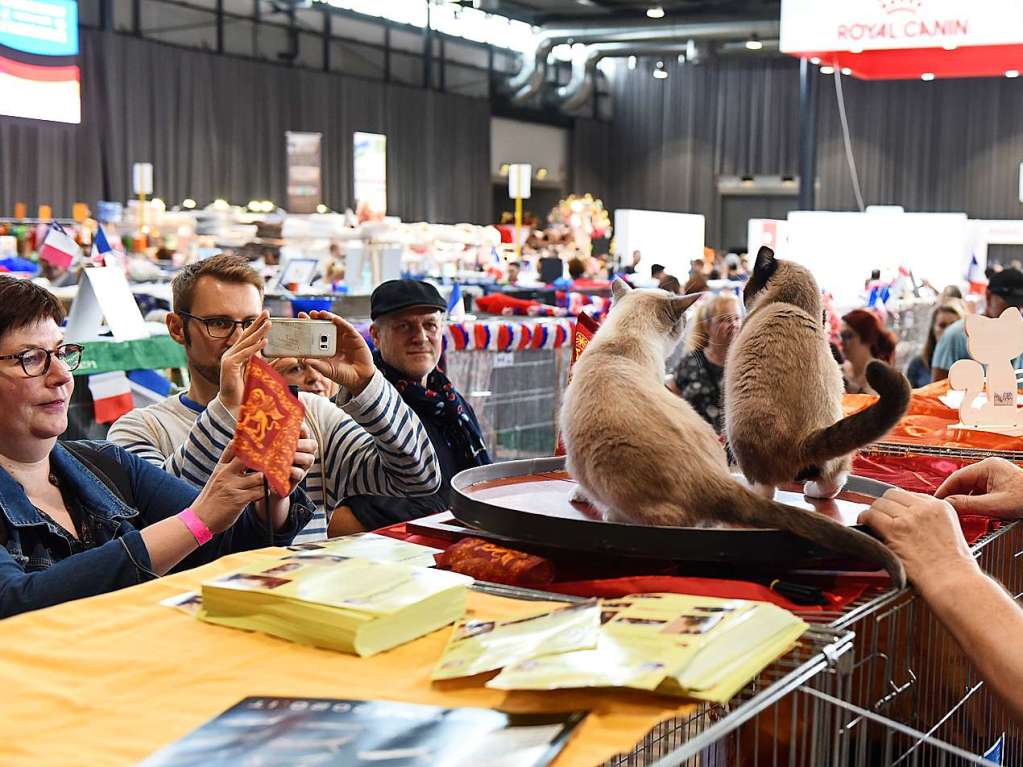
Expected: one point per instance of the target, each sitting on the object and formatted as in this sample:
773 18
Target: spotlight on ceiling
657 12
753 44
660 73
927 76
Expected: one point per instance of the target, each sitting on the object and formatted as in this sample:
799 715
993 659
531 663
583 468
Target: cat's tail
737 505
866 426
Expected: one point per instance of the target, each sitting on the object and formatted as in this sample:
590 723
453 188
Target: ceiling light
681 58
753 44
815 61
826 70
659 71
657 12
220 204
188 203
927 76
632 62
846 71
1012 73
950 46
541 173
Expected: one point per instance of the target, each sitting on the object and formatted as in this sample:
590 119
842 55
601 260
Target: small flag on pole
975 276
456 306
58 248
111 396
102 253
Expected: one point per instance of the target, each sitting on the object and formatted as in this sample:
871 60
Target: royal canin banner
891 39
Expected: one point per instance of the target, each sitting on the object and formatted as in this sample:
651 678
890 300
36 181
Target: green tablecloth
154 353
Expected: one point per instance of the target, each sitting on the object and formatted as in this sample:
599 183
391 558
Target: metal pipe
807 135
529 79
578 90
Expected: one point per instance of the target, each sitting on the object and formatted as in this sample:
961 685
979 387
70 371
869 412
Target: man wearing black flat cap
1004 290
408 327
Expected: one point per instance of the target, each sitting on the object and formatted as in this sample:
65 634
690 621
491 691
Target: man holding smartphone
408 327
366 439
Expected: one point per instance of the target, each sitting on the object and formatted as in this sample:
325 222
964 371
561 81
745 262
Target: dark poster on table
324 732
305 185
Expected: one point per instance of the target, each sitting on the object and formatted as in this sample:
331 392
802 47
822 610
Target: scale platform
528 502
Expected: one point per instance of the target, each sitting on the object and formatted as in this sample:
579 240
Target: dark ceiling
555 11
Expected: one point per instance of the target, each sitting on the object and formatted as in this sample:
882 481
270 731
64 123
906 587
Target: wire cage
516 395
891 687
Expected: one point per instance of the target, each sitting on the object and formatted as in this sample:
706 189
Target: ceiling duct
529 80
579 89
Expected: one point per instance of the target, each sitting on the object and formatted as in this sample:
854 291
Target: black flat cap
398 295
1007 283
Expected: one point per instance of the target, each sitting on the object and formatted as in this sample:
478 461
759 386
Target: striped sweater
373 444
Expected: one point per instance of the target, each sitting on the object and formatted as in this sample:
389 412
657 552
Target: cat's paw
825 489
579 495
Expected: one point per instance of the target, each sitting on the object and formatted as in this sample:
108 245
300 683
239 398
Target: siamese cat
641 454
783 389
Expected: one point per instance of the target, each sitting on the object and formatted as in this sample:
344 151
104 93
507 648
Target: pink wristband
195 526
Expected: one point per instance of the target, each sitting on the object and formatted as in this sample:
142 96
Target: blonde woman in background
697 377
950 311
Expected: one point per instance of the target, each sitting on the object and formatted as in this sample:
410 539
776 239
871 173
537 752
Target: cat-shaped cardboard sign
995 342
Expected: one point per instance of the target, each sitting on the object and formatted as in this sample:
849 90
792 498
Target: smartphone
300 338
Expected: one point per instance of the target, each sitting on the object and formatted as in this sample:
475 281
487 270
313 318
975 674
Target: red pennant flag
268 426
585 328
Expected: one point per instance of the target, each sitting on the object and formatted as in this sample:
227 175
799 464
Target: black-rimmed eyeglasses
36 362
220 327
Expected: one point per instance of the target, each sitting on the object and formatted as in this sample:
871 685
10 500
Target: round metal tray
529 501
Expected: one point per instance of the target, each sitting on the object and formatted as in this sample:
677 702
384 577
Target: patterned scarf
440 404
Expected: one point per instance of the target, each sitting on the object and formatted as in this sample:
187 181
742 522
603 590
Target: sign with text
863 25
305 183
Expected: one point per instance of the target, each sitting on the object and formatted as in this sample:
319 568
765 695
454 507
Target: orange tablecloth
108 680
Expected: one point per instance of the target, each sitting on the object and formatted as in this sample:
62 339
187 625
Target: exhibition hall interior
582 383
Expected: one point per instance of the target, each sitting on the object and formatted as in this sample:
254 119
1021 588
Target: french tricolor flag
456 306
975 276
58 248
102 253
111 396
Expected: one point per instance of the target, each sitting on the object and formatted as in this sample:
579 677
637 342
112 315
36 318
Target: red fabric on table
842 594
923 474
849 590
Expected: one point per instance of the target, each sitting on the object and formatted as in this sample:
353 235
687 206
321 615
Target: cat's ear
679 304
765 265
619 289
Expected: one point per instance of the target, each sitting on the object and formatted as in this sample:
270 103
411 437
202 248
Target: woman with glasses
83 518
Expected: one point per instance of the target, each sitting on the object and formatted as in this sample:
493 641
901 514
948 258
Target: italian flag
111 396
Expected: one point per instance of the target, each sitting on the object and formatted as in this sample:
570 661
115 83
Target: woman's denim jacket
38 567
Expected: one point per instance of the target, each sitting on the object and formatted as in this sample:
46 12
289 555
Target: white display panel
671 239
843 248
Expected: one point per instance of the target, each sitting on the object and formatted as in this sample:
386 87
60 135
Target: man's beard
211 373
